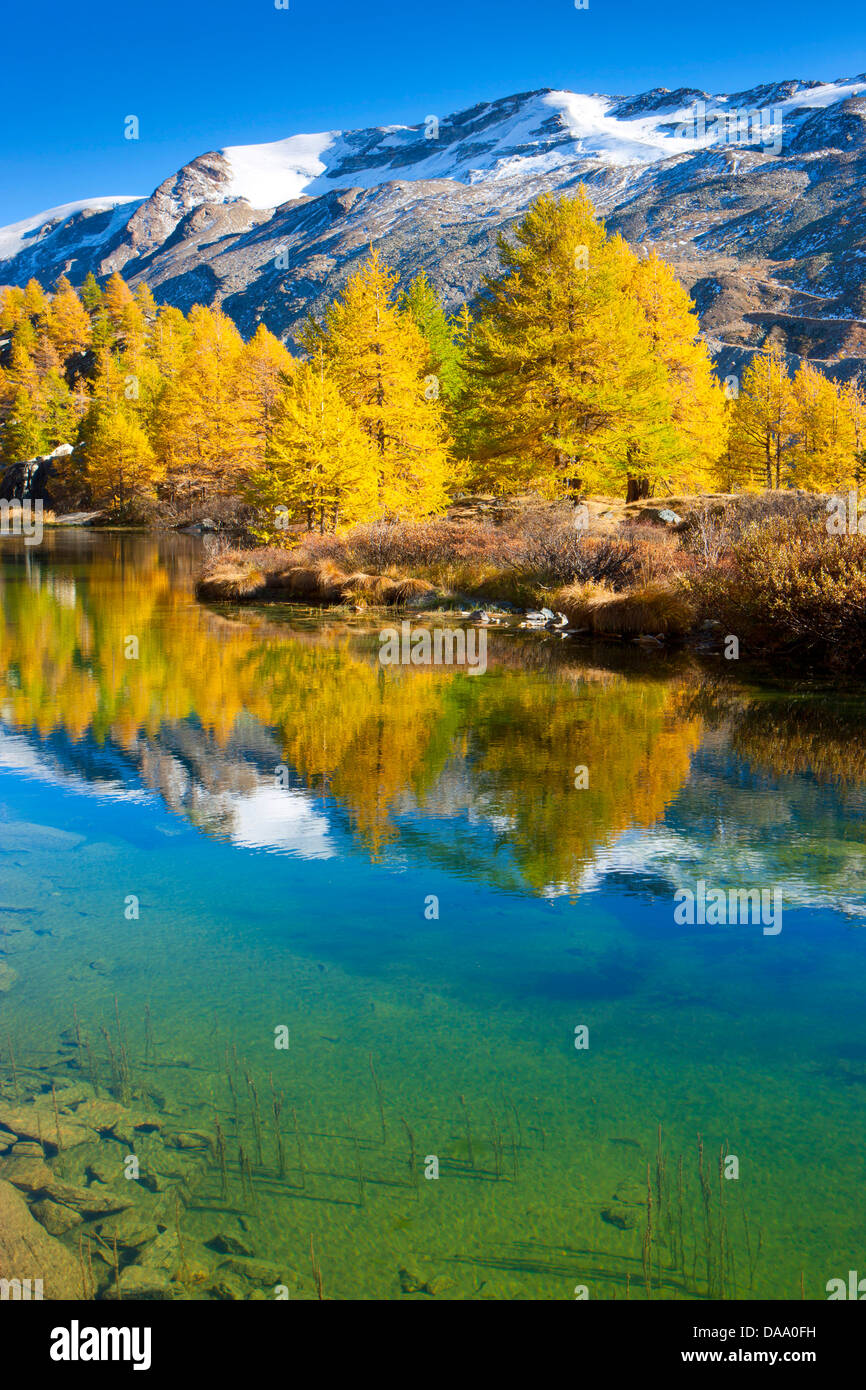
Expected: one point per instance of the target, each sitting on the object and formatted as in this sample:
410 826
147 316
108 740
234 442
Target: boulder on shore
29 479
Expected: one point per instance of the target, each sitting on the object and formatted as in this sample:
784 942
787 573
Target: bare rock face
28 1252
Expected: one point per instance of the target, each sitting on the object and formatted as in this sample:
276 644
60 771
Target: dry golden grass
655 608
297 580
230 580
366 585
404 589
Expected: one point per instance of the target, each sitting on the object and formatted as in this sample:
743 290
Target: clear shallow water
301 901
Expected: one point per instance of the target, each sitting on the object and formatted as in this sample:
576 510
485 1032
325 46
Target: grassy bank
761 567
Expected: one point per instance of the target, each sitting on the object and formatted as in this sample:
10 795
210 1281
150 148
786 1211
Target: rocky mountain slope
754 196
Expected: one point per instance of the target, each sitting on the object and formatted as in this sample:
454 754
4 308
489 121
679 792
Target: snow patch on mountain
275 173
17 236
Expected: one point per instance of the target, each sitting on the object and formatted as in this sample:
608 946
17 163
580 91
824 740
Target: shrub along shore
761 568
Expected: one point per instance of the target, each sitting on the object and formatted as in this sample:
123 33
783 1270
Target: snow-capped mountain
753 195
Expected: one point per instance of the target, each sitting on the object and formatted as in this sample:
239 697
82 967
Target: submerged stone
624 1218
27 1251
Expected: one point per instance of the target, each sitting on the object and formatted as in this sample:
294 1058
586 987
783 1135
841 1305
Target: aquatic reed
380 1099
299 1147
358 1164
277 1107
117 1286
56 1119
149 1045
112 1064
257 1119
13 1067
221 1159
77 1027
125 1087
91 1067
413 1167
496 1140
468 1129
317 1273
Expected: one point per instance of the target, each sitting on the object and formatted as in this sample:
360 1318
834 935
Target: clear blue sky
221 72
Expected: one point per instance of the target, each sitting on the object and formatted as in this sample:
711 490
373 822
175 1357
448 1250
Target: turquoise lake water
251 832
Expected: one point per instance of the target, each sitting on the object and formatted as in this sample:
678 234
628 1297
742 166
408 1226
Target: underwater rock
190 1139
27 1251
28 1174
8 976
622 1217
259 1272
224 1289
18 939
155 1182
39 1122
123 1130
227 1244
130 1127
168 1263
412 1281
89 1201
54 1216
101 1115
131 1228
107 1169
74 1094
175 1164
140 1281
26 1148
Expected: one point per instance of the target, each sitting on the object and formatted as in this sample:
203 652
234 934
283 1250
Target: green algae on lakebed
172 912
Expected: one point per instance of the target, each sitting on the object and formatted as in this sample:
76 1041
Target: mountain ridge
769 236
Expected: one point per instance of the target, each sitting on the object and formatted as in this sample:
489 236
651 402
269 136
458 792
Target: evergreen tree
263 369
321 467
441 334
35 301
694 392
378 358
120 463
764 421
91 294
66 321
566 393
11 308
213 443
824 454
23 432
